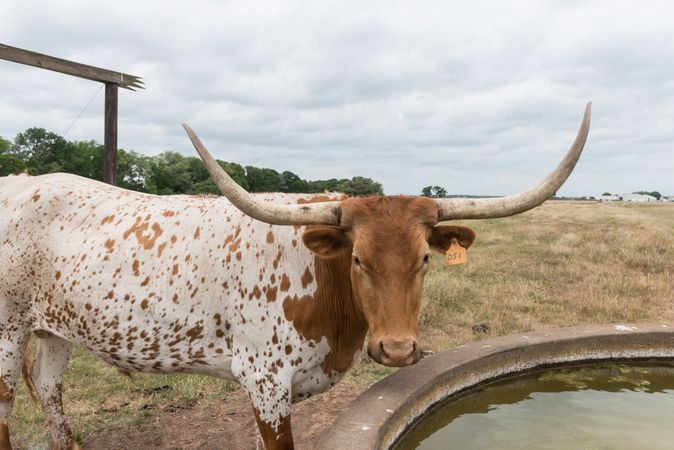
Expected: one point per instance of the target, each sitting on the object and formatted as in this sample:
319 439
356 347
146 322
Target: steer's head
389 239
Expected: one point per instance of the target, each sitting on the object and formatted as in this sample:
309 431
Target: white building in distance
638 198
609 198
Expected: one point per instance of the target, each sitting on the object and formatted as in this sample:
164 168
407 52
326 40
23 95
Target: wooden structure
112 81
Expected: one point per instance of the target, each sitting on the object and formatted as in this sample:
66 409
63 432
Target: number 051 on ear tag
456 254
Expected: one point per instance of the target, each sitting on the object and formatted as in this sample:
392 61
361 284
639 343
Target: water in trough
609 406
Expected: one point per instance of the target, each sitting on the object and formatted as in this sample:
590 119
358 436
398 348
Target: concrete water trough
382 414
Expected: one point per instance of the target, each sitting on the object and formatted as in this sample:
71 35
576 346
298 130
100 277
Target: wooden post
110 146
112 80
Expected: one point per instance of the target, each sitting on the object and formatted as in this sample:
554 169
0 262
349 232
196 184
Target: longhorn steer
194 284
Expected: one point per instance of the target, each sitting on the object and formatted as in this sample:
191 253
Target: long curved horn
325 213
484 208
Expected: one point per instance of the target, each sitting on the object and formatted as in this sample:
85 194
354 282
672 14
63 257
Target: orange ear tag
456 254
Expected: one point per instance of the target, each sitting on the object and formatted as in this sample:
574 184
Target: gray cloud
482 98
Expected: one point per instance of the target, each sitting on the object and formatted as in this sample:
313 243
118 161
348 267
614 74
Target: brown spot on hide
288 349
195 332
109 244
160 248
144 303
145 282
107 219
285 283
197 233
58 274
271 294
270 238
5 393
36 197
134 266
174 239
307 278
139 228
277 259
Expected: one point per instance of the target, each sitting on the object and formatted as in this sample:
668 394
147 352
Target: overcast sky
478 97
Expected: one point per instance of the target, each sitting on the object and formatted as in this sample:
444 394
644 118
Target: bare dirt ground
226 424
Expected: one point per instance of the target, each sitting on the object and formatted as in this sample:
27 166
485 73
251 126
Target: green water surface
589 408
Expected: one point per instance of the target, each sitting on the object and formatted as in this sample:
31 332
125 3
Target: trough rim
380 415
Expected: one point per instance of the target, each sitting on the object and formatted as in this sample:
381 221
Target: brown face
389 239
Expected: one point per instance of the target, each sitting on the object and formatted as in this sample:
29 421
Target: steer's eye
427 258
356 261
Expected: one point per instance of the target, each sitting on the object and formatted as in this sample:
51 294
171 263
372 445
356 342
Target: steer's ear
441 237
326 241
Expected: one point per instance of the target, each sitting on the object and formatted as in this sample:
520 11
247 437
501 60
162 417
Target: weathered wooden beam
34 59
110 143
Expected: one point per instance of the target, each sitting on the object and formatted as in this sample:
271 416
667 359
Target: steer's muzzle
394 352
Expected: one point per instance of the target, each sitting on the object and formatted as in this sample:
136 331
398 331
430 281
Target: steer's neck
330 313
337 307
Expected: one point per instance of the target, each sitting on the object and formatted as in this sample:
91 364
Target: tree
439 192
434 191
427 191
289 182
360 186
41 151
262 179
173 173
133 170
84 158
9 164
330 185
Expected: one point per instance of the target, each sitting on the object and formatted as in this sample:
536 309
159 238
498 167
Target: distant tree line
39 151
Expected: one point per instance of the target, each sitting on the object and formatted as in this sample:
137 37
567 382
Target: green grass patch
96 397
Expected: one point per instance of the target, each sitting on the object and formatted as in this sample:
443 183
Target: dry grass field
562 264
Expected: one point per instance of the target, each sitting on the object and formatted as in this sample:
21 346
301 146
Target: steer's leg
53 354
13 339
270 395
259 443
276 435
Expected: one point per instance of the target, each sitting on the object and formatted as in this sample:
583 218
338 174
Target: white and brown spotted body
155 284
191 284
